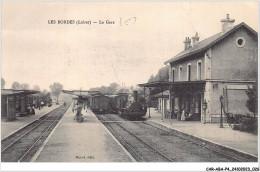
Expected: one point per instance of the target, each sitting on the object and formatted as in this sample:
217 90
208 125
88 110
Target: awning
164 94
82 93
168 84
155 84
6 92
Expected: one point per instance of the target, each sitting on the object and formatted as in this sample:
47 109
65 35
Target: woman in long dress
183 115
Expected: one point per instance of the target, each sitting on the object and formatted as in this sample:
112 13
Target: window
199 70
180 73
189 72
240 42
173 75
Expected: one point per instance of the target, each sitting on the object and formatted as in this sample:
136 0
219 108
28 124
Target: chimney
195 39
187 42
227 24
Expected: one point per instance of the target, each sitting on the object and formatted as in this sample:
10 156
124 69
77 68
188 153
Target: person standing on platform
42 104
39 105
79 108
183 115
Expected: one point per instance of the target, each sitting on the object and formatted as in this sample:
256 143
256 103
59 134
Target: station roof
209 42
123 93
164 94
155 84
83 93
167 83
113 95
14 92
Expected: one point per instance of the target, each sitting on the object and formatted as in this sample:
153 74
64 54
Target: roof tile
206 43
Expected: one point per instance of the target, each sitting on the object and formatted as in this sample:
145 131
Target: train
133 109
100 104
124 104
119 101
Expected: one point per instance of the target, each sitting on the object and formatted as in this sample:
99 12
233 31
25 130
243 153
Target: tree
25 86
103 89
36 88
152 78
251 102
113 87
163 74
123 90
94 89
2 83
16 85
56 89
45 91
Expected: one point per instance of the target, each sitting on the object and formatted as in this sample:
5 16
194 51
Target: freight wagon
99 104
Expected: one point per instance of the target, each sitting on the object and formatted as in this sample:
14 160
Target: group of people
30 110
40 104
186 116
78 105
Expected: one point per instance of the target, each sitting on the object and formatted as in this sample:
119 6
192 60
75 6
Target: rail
144 142
31 130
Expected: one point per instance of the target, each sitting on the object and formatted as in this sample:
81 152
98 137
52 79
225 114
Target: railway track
231 154
168 141
140 149
23 144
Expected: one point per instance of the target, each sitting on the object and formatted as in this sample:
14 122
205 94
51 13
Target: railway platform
9 127
88 141
234 139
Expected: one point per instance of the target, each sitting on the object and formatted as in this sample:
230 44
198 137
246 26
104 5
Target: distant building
163 101
223 64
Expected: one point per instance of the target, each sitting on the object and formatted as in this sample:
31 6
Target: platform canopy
167 83
163 85
181 86
155 84
164 94
6 92
82 93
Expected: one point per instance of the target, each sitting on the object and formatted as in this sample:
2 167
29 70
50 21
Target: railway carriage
121 100
123 103
100 104
117 102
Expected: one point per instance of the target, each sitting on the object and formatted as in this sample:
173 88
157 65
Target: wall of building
230 62
23 104
193 62
10 107
3 106
235 99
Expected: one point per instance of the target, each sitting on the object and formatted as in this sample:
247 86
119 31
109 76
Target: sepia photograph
126 86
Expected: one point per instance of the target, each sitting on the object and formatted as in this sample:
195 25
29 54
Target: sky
144 35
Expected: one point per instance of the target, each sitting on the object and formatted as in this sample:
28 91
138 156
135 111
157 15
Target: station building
15 102
224 64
